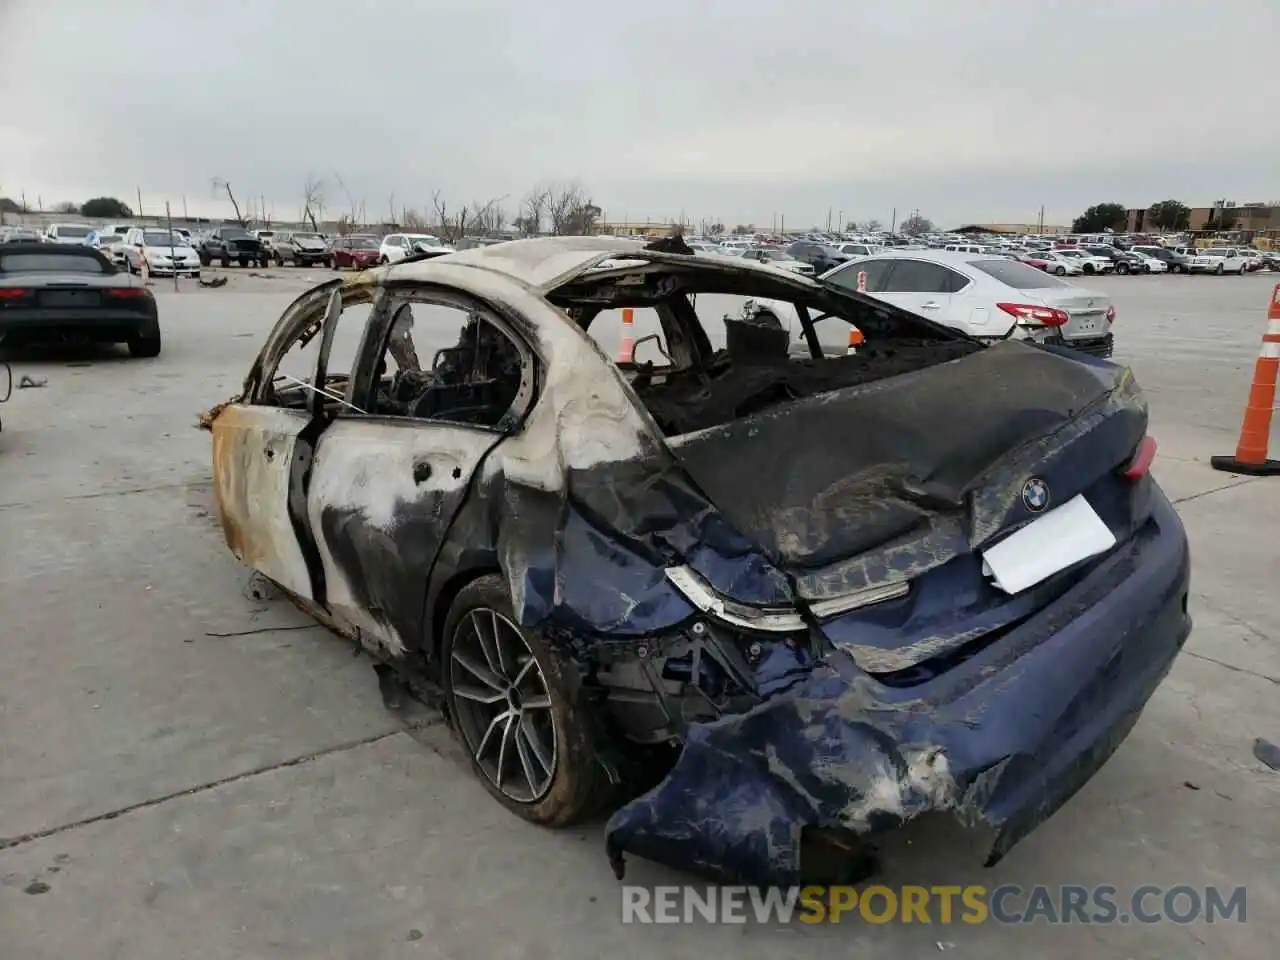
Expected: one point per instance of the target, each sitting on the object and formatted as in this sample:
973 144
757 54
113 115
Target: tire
333 263
1122 268
144 347
224 262
1088 268
576 781
1219 271
384 261
205 260
1060 271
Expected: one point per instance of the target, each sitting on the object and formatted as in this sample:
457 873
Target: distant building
637 228
1252 219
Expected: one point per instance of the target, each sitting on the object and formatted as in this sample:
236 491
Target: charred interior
761 365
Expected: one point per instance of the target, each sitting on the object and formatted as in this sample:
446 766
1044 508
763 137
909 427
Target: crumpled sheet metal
1002 741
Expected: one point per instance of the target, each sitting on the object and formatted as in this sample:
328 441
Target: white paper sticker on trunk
1067 535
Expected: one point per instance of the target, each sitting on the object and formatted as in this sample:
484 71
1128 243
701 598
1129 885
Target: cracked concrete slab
112 678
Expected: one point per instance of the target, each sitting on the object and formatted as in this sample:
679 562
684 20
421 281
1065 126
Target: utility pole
139 190
893 221
184 207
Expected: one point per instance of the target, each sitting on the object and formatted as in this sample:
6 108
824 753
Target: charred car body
816 593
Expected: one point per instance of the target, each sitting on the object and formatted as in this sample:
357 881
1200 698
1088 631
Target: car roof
547 262
51 249
945 257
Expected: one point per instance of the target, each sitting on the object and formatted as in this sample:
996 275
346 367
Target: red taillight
1030 313
1111 314
13 293
1140 465
124 293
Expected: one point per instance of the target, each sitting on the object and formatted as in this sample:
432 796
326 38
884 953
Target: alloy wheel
502 704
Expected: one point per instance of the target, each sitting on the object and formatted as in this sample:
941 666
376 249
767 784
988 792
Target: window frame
374 344
853 267
948 271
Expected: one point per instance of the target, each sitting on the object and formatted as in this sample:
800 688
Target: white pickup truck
1217 260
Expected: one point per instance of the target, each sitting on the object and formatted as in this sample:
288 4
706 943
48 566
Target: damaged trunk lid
880 501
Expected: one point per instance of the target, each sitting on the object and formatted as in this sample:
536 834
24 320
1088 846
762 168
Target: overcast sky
740 110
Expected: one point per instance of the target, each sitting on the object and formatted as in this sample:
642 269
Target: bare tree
354 208
219 185
313 200
413 220
489 217
571 211
453 227
533 210
66 206
915 224
562 200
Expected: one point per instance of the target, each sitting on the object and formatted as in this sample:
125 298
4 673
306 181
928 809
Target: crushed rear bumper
1002 740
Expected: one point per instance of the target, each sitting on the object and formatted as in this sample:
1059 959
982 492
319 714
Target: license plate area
1047 545
70 298
1088 321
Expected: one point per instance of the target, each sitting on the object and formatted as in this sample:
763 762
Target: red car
353 251
1033 261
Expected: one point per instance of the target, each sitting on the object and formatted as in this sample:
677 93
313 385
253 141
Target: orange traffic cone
1251 451
855 341
627 352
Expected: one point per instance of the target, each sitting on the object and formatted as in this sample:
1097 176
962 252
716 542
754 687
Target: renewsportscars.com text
1007 904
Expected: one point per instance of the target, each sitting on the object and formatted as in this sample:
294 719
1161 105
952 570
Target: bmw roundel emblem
1035 494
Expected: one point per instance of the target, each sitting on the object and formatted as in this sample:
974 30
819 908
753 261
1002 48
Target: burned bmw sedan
742 592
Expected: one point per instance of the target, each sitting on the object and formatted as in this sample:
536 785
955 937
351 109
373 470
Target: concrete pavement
191 772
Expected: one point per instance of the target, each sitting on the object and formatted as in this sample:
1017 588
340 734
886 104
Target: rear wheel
144 347
513 711
1060 271
1122 268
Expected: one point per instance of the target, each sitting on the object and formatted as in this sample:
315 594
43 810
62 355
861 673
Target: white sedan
989 297
1151 264
397 246
1057 264
164 253
1090 263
